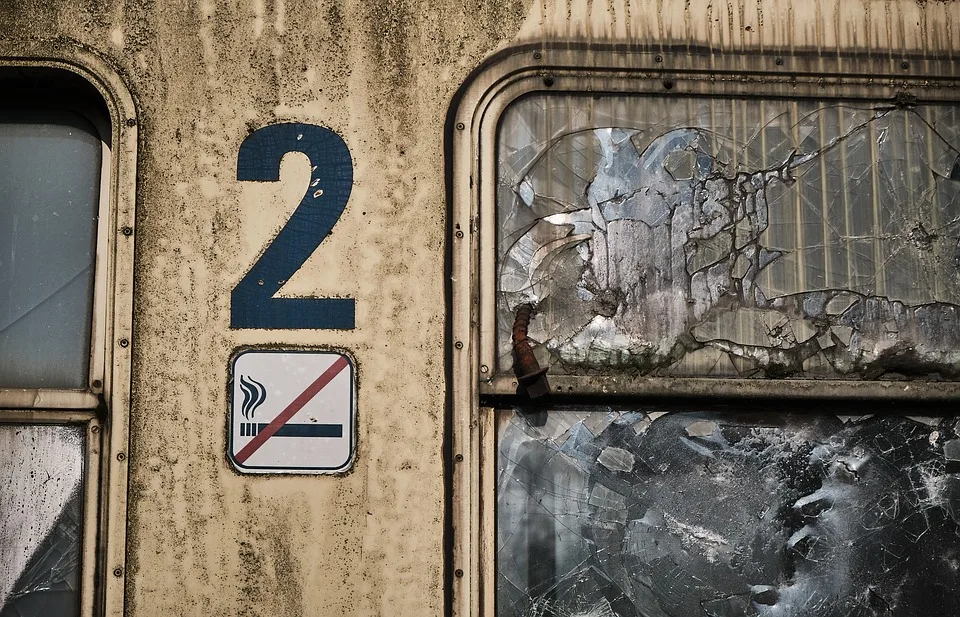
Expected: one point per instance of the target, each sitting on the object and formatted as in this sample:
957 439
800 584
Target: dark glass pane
41 471
638 513
50 165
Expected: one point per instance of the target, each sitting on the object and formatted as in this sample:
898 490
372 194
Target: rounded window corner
83 66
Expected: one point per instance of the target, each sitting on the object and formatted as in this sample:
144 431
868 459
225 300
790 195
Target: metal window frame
103 408
471 148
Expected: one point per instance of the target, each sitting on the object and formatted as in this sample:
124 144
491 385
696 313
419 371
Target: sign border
347 465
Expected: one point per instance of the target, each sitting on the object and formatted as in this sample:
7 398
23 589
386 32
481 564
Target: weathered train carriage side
187 83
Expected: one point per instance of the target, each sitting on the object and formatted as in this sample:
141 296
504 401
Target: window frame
102 409
476 389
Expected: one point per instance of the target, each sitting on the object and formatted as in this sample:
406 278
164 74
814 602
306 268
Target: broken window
731 237
734 298
41 474
744 238
635 512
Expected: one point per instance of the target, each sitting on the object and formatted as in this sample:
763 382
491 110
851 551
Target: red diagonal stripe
291 410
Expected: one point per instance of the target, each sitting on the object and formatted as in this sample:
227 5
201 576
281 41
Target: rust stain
531 377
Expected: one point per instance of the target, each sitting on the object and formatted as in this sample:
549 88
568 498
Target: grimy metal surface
200 538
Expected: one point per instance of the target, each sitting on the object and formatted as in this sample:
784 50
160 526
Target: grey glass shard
786 238
729 515
41 470
50 165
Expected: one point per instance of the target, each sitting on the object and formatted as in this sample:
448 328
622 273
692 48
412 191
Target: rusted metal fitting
531 378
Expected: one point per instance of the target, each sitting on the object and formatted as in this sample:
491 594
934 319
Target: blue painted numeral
252 304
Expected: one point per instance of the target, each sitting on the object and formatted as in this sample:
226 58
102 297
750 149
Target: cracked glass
731 237
638 512
41 480
50 165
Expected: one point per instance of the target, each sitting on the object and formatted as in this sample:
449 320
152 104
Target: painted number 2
252 303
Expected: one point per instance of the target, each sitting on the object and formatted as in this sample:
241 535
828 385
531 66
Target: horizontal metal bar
46 416
607 386
27 398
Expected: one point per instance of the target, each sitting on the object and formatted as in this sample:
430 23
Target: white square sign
292 412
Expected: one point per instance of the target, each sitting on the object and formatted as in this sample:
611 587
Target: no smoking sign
292 412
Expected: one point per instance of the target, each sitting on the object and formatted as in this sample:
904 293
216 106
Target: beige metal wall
202 539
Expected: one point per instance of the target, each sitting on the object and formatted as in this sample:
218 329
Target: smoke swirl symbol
254 395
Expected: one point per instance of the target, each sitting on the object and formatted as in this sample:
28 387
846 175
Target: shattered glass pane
41 469
636 513
732 238
50 166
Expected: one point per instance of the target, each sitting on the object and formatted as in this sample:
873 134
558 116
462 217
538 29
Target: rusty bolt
124 342
97 383
118 572
548 81
121 456
127 231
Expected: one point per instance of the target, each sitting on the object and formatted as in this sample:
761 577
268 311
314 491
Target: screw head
124 342
459 234
537 55
97 383
484 368
458 458
779 61
127 231
118 572
131 122
458 573
94 429
121 456
658 58
458 345
460 126
904 65
548 81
